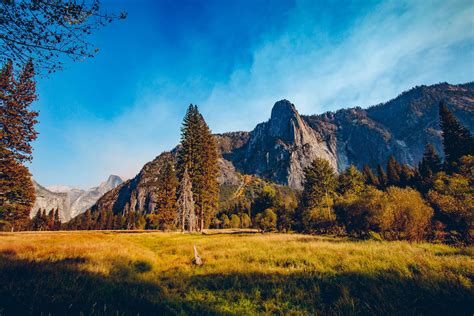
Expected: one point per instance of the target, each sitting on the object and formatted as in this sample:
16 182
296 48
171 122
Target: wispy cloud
312 60
392 48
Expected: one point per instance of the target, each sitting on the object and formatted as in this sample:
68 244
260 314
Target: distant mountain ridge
70 201
278 150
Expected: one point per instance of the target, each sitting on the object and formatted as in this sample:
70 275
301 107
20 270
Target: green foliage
246 221
396 214
234 221
352 180
198 155
457 140
453 198
166 201
382 177
315 210
393 172
370 178
408 215
266 221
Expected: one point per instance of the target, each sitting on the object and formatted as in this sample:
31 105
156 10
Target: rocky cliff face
279 149
70 201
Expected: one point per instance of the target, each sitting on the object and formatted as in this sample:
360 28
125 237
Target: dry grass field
126 273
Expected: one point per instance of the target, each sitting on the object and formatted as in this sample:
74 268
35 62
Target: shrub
245 221
234 221
453 198
396 214
409 215
267 220
225 222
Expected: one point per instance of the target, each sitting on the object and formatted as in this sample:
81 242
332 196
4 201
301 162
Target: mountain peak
283 109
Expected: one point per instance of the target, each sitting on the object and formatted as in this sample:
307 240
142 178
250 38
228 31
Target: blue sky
235 59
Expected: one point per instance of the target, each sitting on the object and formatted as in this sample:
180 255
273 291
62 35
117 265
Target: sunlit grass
106 272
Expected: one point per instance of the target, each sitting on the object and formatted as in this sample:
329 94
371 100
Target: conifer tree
86 223
186 213
315 210
57 220
407 176
166 200
17 131
457 140
393 171
50 223
43 220
351 180
198 155
429 165
370 177
382 177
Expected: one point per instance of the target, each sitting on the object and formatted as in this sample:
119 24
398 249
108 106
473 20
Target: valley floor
113 273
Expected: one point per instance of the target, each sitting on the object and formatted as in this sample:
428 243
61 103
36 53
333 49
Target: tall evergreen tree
166 200
198 155
370 177
16 134
457 140
57 220
393 171
315 209
382 177
186 212
407 176
430 163
351 180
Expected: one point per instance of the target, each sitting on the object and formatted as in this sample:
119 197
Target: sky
113 113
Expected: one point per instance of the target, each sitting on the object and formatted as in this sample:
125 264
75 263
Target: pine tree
370 177
198 155
17 122
393 171
382 177
457 140
315 211
407 176
86 223
43 221
110 220
185 203
57 220
351 180
429 165
166 200
36 221
50 223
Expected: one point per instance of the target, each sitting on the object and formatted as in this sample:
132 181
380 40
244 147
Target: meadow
130 273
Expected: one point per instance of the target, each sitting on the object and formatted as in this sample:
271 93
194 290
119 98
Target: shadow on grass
63 288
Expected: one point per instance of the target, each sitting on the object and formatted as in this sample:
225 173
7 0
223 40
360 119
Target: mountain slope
71 201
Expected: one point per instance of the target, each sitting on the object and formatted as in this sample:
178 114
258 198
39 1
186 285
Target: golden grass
109 272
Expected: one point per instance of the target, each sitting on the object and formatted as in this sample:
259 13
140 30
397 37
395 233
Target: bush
395 214
245 221
453 198
409 215
234 221
225 222
320 218
267 220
